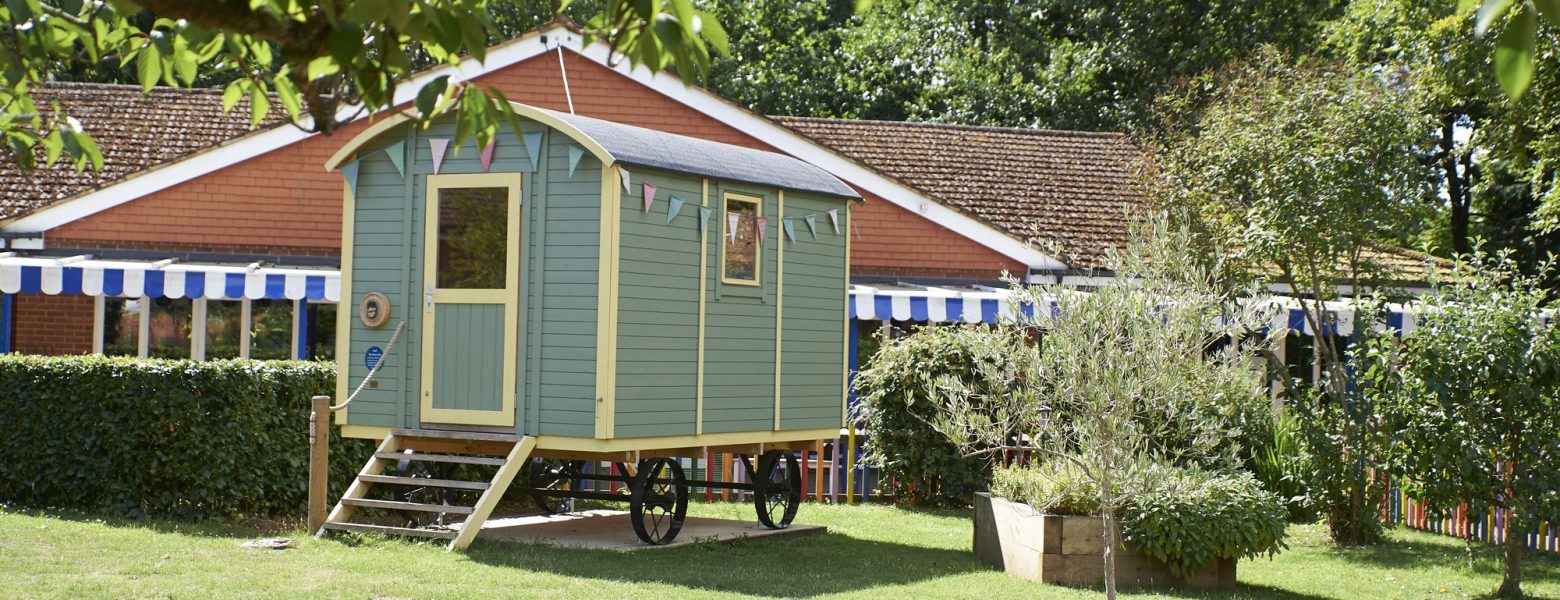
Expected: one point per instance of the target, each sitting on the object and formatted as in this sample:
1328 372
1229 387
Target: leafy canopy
326 61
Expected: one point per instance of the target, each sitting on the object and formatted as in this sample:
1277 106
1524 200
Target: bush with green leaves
897 405
1281 463
1184 517
176 438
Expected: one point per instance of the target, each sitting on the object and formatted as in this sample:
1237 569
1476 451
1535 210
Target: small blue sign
372 355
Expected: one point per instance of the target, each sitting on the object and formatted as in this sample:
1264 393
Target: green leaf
1514 54
233 93
1488 12
428 96
259 105
148 67
287 93
1550 9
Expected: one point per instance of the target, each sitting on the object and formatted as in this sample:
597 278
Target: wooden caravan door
471 297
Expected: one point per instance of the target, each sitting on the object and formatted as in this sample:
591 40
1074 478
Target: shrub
172 438
1280 462
898 403
1182 516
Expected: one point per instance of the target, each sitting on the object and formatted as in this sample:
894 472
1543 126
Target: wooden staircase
433 447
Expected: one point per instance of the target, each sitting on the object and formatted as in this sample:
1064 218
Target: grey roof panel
660 150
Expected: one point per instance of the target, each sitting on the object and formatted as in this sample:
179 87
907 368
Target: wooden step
440 434
444 458
425 482
412 506
402 531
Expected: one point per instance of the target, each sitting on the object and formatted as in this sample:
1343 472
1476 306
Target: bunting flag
487 155
763 228
438 146
533 147
575 152
731 225
812 224
649 192
673 206
704 218
790 228
626 176
834 217
397 153
350 171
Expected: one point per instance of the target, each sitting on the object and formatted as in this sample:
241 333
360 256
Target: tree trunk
1511 584
1110 556
1457 191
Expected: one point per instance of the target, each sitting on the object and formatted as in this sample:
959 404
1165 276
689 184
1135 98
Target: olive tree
1121 379
1474 395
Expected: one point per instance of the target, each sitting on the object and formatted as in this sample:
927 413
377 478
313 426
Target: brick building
252 221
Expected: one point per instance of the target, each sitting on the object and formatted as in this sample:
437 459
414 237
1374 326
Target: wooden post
319 460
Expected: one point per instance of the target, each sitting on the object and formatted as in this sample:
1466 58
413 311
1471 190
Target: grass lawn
869 551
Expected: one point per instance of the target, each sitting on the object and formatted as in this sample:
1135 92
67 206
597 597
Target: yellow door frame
509 297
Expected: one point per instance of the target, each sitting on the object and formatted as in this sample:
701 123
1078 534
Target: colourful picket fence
1403 509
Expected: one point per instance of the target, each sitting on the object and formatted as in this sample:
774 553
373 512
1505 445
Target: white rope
566 93
371 372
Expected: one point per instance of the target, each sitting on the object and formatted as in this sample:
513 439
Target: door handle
428 299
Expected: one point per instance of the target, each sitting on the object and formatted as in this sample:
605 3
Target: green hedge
170 438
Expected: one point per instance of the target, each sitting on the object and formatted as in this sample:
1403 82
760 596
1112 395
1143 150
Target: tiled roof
135 131
1066 192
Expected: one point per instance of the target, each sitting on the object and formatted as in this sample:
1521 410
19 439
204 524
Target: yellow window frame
758 248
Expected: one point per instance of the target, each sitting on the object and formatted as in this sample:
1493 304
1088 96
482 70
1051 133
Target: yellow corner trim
346 306
779 301
704 278
365 432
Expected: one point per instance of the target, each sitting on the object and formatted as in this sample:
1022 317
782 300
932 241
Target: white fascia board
166 175
799 146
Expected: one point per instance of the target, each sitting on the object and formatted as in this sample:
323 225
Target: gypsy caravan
584 293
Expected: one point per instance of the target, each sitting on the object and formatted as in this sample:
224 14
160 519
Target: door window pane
224 322
170 328
121 326
322 332
740 258
473 237
270 337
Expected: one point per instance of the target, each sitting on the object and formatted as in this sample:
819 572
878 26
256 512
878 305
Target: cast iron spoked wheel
777 490
659 500
554 474
426 495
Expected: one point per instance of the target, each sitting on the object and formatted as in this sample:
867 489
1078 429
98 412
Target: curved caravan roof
616 143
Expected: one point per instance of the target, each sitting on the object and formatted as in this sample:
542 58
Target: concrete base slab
611 530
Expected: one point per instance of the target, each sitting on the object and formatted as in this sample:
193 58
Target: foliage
897 405
140 437
1184 517
326 61
1117 368
1514 49
1344 440
1281 463
1031 63
1474 394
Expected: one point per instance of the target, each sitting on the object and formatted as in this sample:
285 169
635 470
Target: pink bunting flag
763 226
731 225
649 190
487 155
438 146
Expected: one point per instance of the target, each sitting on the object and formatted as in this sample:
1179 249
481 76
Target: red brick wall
52 325
892 241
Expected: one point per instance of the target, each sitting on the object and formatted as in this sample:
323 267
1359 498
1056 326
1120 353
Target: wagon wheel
659 500
426 495
777 489
553 474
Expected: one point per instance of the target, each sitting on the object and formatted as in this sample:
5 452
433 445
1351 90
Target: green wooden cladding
657 311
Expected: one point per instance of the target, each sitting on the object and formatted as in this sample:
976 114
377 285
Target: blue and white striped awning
980 304
165 279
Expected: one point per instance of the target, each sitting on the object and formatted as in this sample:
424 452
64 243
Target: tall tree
1301 174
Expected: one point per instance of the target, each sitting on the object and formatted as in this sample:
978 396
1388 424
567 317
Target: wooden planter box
1068 550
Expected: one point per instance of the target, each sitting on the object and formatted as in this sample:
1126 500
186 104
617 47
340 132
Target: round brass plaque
374 310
